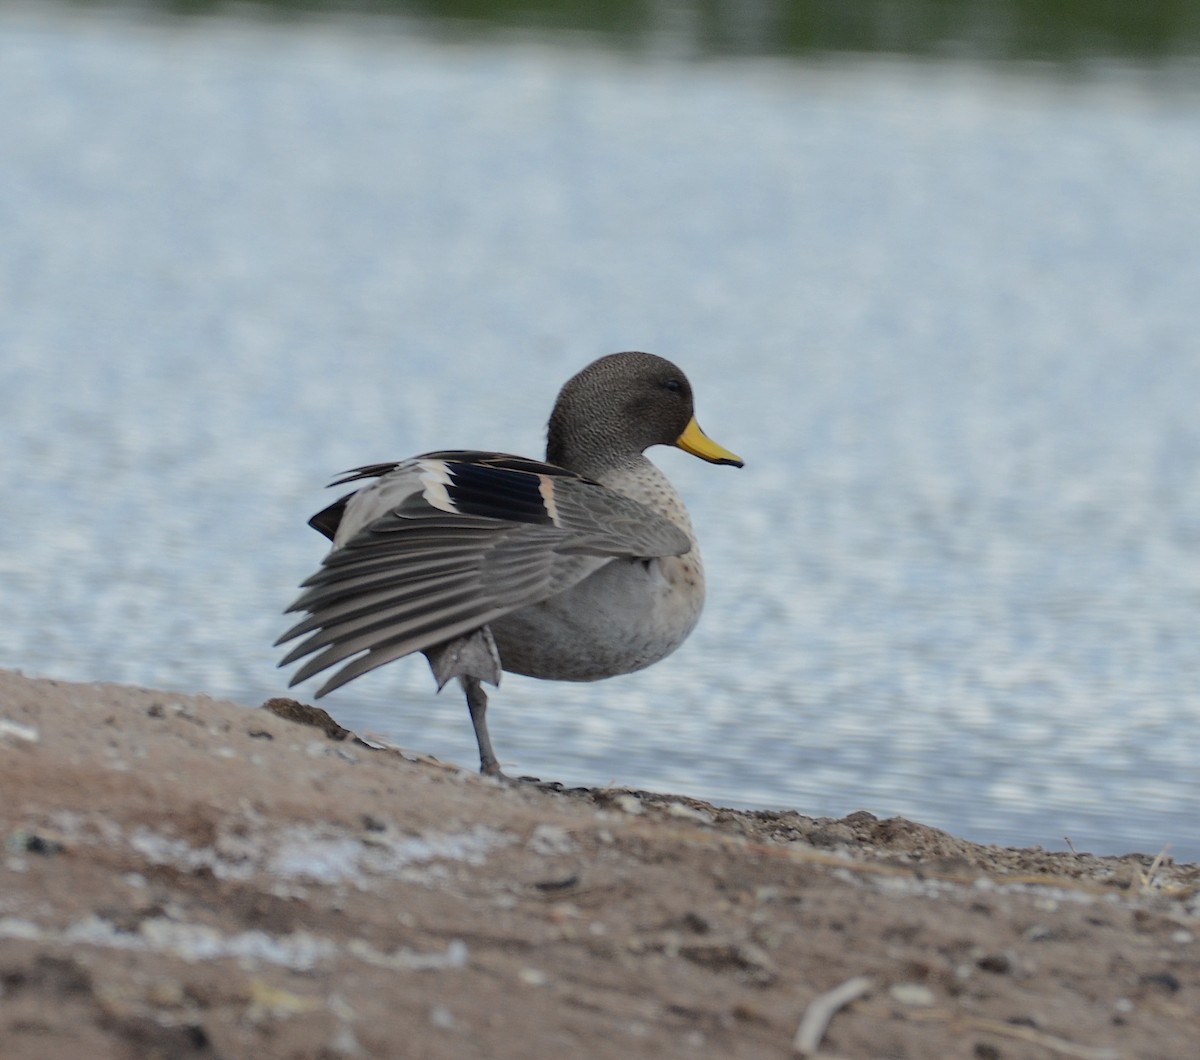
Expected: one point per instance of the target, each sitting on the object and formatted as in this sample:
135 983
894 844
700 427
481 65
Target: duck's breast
628 615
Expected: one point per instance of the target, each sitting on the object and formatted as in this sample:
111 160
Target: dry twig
822 1010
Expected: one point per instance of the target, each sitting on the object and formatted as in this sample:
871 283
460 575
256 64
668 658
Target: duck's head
619 406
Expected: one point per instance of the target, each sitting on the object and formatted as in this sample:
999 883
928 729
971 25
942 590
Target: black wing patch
327 520
492 492
490 485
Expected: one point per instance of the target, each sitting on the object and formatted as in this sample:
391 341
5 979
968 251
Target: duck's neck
591 455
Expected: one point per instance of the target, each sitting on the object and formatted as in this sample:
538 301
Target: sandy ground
185 877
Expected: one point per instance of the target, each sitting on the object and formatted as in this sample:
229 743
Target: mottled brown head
619 406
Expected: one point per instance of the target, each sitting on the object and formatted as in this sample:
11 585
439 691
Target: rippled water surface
950 318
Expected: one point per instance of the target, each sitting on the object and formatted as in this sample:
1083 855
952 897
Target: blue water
950 316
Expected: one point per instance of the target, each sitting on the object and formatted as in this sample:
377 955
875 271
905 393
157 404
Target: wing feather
388 651
330 615
356 632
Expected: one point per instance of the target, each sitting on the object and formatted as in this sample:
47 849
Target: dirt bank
185 877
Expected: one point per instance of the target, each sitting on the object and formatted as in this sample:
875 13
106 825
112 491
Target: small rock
996 963
916 995
31 843
564 883
564 912
344 1043
1163 980
629 804
749 961
689 813
303 714
549 840
748 1012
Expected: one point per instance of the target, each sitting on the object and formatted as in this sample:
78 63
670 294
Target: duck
576 568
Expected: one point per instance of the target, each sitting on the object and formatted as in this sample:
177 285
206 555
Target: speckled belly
625 616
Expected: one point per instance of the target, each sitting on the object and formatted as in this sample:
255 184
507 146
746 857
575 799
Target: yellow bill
695 441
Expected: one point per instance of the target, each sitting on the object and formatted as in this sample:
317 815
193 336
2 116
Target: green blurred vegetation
1046 30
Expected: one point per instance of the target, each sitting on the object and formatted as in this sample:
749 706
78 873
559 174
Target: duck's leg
472 658
489 765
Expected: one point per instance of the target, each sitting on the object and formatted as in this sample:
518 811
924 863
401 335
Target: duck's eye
673 385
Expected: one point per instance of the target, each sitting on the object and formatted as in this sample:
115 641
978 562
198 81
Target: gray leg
477 704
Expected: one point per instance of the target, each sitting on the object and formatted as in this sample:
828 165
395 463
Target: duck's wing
442 544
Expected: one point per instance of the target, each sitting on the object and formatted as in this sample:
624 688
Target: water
947 315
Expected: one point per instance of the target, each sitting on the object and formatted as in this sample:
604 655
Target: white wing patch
546 489
435 477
